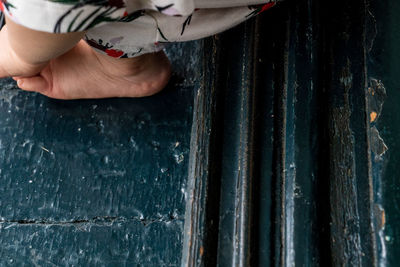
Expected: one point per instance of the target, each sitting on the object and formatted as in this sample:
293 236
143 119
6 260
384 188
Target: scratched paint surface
95 182
384 66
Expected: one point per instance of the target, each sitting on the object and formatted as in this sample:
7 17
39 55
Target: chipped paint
372 116
375 98
201 251
45 149
377 144
81 183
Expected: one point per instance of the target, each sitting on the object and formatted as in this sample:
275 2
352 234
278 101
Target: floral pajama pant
129 28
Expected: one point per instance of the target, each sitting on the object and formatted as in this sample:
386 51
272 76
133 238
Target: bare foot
84 73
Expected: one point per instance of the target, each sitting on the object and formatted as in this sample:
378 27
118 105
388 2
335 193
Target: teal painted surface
96 182
125 243
385 66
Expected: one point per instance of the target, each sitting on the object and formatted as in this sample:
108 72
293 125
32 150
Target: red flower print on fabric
5 7
114 53
266 7
257 9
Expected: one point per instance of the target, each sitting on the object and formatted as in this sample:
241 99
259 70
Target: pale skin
63 66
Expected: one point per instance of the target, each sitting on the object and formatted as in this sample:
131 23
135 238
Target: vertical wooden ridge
200 223
303 82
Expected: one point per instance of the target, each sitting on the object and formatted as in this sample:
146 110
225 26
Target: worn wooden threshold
280 167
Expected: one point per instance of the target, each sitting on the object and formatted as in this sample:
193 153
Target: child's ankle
124 66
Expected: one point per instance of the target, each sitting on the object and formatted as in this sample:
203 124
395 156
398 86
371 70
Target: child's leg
84 73
24 52
80 72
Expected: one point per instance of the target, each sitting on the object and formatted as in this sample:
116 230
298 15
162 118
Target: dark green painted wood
96 182
384 71
352 238
284 168
303 120
307 190
95 243
237 191
203 186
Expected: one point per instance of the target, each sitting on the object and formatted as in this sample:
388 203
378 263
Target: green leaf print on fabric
114 3
257 9
74 21
65 1
5 5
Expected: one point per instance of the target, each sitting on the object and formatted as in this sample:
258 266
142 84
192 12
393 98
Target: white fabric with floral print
128 28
